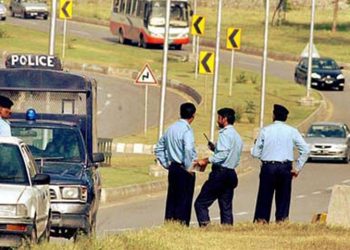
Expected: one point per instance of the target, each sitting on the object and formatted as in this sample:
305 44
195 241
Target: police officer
176 152
274 147
5 113
223 179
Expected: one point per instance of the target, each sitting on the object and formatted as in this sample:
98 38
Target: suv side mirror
41 179
98 157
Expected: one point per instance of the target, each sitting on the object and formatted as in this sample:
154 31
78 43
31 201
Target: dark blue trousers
275 178
180 194
220 185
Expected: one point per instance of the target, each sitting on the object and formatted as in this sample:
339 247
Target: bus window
122 6
140 8
127 7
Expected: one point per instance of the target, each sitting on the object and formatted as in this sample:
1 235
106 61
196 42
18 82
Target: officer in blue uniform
176 152
5 113
275 148
223 178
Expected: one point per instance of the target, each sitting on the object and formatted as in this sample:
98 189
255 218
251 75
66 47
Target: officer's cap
5 102
280 110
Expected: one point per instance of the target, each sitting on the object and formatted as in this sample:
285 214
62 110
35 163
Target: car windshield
12 167
331 131
178 14
324 64
52 144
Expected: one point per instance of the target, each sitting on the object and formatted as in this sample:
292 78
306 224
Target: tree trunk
335 16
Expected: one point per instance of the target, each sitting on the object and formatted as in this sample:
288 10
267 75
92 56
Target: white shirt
5 129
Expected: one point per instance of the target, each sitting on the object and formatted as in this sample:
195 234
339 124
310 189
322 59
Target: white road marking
80 32
109 95
107 103
99 112
300 196
241 213
316 192
329 188
346 181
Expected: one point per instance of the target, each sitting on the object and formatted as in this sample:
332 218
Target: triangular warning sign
146 76
305 52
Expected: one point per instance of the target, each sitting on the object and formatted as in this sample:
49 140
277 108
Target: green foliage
250 107
239 110
241 77
254 79
71 43
251 118
4 34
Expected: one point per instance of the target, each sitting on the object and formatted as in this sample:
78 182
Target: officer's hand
294 173
211 146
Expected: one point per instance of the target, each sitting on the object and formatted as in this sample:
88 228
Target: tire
24 15
45 17
4 18
178 46
12 13
46 235
341 88
142 43
122 39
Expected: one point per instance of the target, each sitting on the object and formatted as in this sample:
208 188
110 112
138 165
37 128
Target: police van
54 112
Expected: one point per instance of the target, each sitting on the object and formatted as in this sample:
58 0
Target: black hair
280 117
187 110
5 102
228 113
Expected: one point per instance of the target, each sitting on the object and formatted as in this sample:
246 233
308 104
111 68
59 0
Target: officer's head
225 116
5 107
187 111
280 113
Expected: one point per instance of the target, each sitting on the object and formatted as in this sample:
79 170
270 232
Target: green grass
241 236
127 169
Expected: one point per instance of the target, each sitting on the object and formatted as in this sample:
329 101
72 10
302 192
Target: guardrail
104 145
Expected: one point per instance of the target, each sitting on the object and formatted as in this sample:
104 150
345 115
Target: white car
3 11
24 196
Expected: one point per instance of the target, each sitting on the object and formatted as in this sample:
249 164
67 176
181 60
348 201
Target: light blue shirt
228 148
276 142
5 129
177 145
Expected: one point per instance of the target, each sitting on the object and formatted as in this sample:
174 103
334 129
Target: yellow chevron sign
198 25
233 38
66 9
206 62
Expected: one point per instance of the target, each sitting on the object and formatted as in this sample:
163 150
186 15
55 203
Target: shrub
241 77
250 107
239 112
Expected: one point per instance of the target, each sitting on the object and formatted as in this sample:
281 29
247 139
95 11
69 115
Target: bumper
325 83
12 237
69 215
37 13
332 155
172 41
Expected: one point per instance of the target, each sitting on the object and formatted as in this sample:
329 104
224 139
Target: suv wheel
341 88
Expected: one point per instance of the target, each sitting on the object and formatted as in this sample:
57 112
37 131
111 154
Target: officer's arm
160 152
222 150
303 149
190 154
259 145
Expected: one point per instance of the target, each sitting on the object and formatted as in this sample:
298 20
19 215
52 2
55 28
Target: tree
335 16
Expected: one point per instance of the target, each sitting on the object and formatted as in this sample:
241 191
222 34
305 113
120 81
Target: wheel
341 88
45 17
122 39
142 43
178 46
24 15
12 12
46 235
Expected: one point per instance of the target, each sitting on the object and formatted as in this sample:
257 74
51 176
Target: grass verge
241 236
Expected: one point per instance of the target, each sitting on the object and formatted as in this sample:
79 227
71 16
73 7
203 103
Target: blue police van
54 112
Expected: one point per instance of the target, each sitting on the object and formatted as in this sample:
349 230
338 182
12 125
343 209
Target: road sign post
197 29
146 77
216 71
233 41
66 7
311 45
52 28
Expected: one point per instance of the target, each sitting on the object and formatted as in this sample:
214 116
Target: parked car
3 11
329 141
25 196
29 8
325 73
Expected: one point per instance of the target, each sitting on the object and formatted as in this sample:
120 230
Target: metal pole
264 62
52 28
64 37
231 73
146 108
165 66
311 45
194 38
197 56
216 72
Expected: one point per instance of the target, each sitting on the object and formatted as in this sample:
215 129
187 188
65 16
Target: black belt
275 162
219 167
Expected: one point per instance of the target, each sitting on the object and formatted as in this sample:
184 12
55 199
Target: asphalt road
311 190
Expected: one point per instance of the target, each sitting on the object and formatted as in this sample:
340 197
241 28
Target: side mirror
98 157
41 179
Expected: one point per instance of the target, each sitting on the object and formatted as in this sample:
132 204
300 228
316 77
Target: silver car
329 141
3 11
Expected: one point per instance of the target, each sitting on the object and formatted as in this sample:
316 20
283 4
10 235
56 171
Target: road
311 190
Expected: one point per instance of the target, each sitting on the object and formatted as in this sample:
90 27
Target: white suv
24 196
